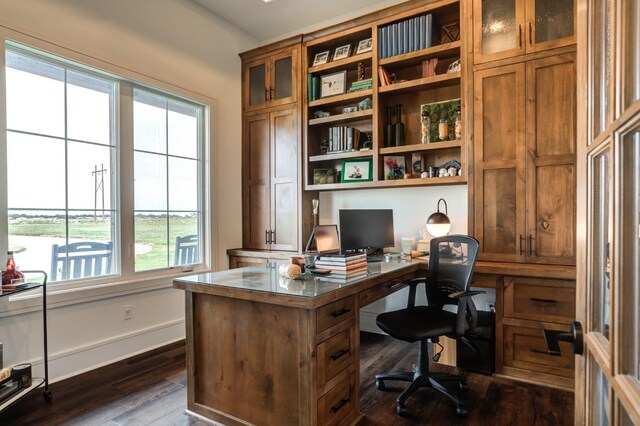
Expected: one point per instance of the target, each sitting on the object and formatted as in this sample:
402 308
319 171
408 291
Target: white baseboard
78 360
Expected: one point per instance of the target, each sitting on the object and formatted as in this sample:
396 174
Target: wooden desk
265 350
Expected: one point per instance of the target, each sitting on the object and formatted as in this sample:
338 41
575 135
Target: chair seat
417 323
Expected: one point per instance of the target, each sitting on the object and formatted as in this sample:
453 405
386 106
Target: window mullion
126 180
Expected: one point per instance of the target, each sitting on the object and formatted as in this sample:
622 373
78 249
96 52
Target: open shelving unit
411 89
36 382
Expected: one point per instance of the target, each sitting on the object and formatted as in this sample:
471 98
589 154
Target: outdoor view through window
64 180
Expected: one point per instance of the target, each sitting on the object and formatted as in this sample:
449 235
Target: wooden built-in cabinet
524 158
507 28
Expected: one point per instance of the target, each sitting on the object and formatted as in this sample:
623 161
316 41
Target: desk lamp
438 223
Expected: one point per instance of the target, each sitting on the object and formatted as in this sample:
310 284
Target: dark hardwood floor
150 389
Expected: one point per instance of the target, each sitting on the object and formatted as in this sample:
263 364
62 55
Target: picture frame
321 58
357 170
394 167
342 52
333 84
438 110
364 46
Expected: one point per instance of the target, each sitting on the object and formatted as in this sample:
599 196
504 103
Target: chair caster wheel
48 396
402 410
463 386
380 385
461 411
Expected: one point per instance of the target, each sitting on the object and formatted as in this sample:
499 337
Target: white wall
177 42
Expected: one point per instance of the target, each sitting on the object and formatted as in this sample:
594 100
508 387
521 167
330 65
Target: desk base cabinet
267 364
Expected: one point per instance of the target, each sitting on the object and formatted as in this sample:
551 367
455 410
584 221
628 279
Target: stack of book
313 87
344 265
343 139
357 86
405 36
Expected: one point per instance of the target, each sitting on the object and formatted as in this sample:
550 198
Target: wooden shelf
341 63
343 99
442 80
340 155
447 50
421 147
342 118
450 180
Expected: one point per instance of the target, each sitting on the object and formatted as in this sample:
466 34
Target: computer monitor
366 229
327 238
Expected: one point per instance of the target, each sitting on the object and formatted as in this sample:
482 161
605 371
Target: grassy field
149 231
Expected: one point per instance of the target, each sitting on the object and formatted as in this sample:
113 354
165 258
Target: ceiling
266 21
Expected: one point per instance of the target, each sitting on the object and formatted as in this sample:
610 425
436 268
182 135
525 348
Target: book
411 47
428 30
349 273
343 268
381 42
342 256
421 36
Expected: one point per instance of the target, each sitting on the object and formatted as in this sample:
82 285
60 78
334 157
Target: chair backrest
186 251
80 260
452 259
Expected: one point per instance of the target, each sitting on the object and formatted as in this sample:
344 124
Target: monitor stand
375 255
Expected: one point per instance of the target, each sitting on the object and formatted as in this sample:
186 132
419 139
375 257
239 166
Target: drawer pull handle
340 312
339 354
539 351
340 404
535 299
395 285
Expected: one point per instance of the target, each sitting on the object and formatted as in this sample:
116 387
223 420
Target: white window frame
128 281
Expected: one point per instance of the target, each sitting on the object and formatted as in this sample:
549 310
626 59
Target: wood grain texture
539 299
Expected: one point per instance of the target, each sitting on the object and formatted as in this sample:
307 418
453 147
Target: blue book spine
423 24
411 47
394 39
405 36
399 39
380 44
429 30
416 33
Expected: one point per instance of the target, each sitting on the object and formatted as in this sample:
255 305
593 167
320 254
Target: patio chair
80 260
186 251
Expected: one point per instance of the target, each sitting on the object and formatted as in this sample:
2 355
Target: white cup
407 244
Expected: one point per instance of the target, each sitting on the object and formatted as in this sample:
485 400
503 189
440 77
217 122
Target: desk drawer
525 348
336 354
378 292
336 312
540 299
336 404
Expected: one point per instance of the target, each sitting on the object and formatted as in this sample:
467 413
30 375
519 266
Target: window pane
183 184
630 252
89 102
151 247
554 19
149 122
602 65
35 171
150 181
631 55
32 235
91 170
257 84
35 95
599 395
183 129
601 254
183 230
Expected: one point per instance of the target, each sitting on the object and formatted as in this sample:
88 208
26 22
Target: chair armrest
461 294
413 285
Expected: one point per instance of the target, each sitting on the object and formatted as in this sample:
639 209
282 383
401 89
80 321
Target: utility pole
98 185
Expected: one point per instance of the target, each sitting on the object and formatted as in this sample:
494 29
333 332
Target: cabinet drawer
338 402
378 292
336 354
540 299
333 313
525 348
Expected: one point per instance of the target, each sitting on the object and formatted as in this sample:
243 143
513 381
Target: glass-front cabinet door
498 28
272 80
550 24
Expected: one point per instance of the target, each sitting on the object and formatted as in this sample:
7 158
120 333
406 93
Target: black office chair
451 263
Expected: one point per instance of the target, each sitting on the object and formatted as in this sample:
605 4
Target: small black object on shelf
399 126
388 129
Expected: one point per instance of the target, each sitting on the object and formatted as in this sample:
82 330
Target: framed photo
333 84
364 46
446 130
321 58
394 167
357 170
342 52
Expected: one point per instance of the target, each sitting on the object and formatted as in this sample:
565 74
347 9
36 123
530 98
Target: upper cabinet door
256 90
550 24
498 29
283 87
